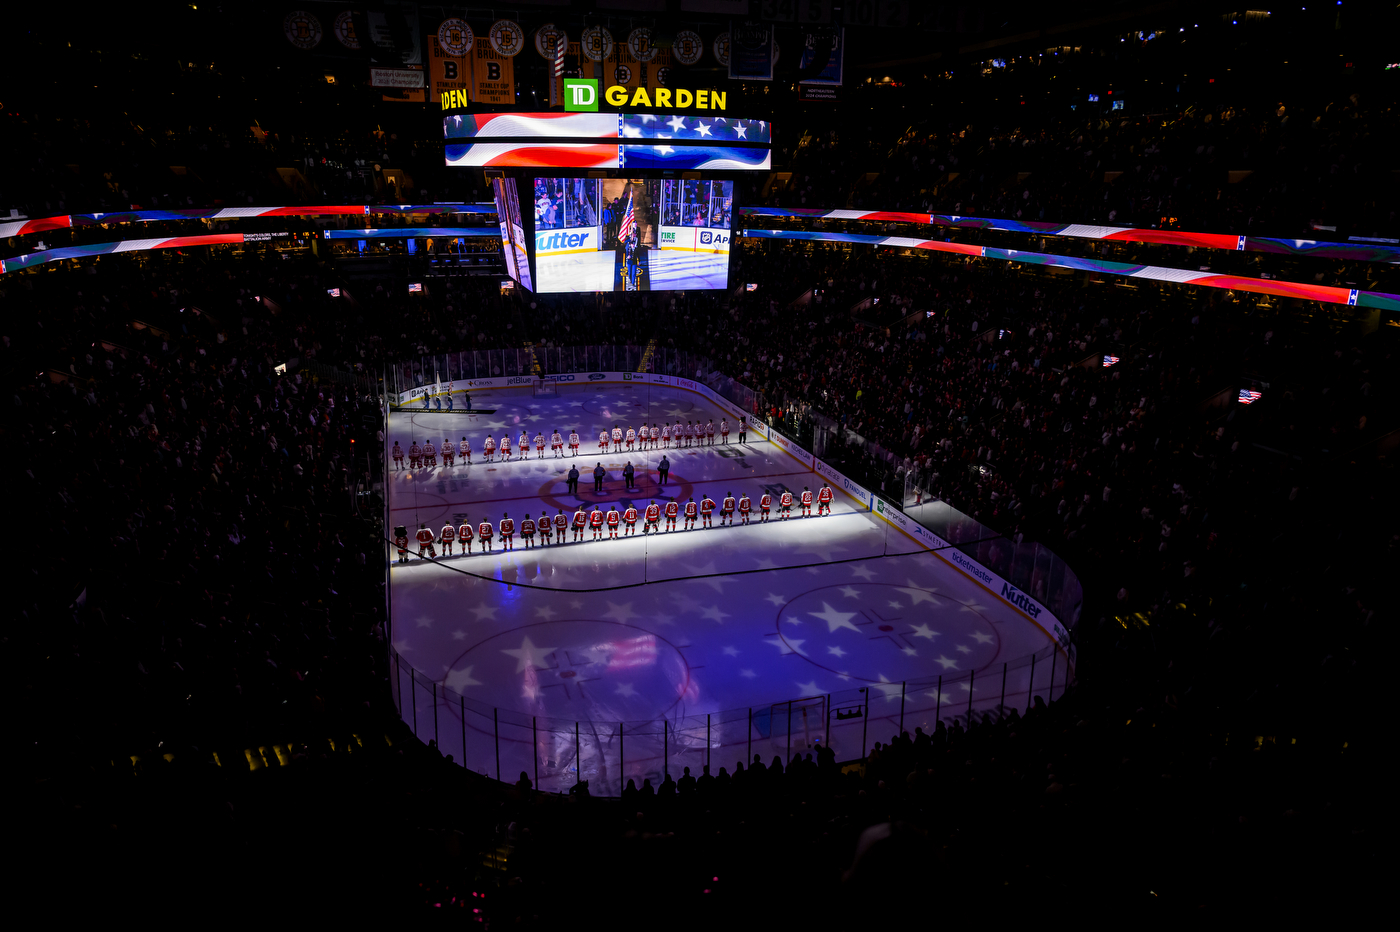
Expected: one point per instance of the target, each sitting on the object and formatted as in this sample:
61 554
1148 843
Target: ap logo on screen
581 95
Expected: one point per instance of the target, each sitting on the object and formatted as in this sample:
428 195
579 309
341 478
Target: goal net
546 388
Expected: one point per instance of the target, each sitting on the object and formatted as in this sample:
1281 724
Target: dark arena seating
1091 310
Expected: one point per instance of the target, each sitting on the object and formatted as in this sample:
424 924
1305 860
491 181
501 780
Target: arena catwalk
619 657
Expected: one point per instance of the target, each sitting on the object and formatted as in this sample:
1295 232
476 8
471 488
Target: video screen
615 234
513 245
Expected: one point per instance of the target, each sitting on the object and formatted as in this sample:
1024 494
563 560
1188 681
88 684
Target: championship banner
394 34
401 85
812 51
493 76
449 64
659 71
750 51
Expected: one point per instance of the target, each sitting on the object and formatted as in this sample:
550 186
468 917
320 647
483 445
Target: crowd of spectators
224 593
101 165
1276 171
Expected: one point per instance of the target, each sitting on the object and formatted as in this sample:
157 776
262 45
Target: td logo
581 95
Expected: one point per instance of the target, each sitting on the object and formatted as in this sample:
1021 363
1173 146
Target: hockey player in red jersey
527 530
672 510
447 535
523 444
415 455
629 517
546 528
483 534
539 445
488 449
464 449
573 442
744 507
614 519
425 542
561 524
631 438
401 542
726 510
707 508
655 436
691 511
806 502
556 444
785 504
595 521
653 519
723 431
429 454
507 532
505 447
464 536
617 438
602 441
580 522
764 503
710 434
824 500
397 454
449 451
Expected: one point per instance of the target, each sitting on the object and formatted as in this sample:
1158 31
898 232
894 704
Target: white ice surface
710 622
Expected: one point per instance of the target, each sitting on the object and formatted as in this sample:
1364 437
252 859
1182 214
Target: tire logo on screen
455 37
721 49
546 38
688 47
345 31
597 43
622 74
303 30
641 44
507 38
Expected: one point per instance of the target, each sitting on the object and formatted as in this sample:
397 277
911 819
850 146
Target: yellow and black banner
447 72
493 76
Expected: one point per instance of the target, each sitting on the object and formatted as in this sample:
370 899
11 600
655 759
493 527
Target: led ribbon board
1319 249
1327 294
607 140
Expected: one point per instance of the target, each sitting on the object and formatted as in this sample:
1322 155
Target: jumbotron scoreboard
627 190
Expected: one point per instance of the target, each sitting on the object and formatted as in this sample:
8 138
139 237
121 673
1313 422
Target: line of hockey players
647 437
617 522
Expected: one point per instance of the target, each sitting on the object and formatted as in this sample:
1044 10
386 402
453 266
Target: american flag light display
1110 361
1249 396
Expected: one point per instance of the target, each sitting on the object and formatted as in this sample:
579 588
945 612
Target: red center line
517 498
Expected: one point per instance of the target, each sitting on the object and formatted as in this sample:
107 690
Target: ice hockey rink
576 271
681 270
618 659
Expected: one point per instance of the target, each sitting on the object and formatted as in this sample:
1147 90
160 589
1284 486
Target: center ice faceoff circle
627 671
878 632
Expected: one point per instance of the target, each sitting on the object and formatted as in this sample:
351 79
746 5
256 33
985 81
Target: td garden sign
581 95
